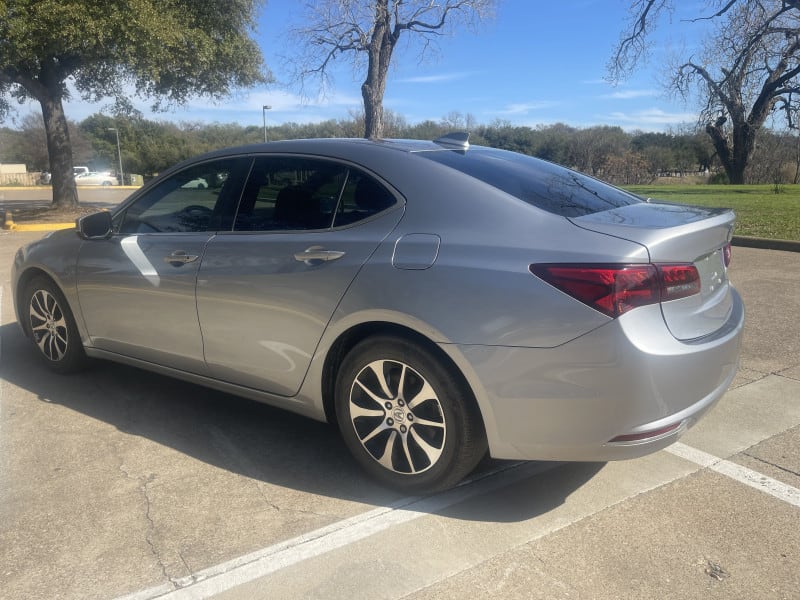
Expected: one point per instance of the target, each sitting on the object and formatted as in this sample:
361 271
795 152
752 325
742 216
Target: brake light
616 289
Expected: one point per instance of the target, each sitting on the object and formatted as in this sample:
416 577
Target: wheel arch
348 339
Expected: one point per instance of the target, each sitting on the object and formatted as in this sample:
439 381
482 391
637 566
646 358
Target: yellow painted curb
9 224
16 188
43 226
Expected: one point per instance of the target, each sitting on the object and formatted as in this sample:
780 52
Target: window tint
288 193
199 198
544 185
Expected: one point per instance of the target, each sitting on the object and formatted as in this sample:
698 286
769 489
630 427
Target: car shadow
253 439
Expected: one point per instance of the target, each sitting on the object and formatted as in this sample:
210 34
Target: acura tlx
435 300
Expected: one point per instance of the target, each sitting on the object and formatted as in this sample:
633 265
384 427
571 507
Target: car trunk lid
679 234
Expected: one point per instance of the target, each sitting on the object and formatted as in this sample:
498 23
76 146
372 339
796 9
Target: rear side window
542 184
362 197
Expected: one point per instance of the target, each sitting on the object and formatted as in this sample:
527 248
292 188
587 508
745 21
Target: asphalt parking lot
119 483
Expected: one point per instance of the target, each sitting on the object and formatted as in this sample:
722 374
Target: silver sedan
436 300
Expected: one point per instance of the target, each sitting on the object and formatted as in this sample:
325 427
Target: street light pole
119 153
264 110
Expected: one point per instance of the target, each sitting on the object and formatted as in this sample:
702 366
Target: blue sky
537 62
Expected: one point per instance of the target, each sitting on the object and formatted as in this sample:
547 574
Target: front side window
293 193
199 198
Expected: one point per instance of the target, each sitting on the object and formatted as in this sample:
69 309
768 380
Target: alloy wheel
48 325
397 417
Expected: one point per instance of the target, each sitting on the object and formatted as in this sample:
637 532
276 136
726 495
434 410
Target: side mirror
96 226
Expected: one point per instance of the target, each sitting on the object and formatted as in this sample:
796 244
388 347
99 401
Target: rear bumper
627 378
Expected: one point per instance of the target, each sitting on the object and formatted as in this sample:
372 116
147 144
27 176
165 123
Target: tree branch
719 13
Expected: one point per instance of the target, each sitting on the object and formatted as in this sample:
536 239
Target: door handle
179 256
317 253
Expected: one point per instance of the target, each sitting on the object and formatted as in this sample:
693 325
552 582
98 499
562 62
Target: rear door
267 290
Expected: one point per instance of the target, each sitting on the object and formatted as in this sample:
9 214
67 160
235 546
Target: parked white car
95 178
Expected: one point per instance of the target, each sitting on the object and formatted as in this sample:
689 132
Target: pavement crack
772 464
191 578
151 525
142 488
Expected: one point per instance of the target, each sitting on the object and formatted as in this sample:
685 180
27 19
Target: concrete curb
766 243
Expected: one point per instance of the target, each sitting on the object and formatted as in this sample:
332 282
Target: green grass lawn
760 212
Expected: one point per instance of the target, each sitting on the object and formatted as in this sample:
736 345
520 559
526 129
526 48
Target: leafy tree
10 145
368 31
592 147
747 72
555 142
168 51
31 144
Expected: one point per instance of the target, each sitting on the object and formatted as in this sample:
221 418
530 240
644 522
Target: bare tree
367 32
748 69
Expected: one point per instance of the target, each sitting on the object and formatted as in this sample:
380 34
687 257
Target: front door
137 289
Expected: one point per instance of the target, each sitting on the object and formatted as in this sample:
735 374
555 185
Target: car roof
342 148
333 146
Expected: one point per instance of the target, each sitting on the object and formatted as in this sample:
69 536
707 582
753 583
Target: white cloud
441 78
523 108
630 94
244 108
650 119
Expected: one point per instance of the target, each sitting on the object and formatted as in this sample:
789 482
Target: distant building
12 169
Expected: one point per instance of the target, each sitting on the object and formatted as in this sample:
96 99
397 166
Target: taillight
616 289
678 281
727 254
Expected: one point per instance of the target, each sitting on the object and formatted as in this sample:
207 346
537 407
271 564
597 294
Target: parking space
120 483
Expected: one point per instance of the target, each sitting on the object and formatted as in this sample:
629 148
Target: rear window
544 185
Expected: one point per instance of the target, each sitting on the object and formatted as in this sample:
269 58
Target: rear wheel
406 417
51 326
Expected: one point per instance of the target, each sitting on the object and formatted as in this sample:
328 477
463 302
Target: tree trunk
379 54
373 112
734 160
65 194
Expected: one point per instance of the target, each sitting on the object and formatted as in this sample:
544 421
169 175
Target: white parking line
754 479
250 567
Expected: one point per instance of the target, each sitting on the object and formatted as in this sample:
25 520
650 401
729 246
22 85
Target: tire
51 327
406 417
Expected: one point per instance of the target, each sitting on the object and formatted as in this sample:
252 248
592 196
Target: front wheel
406 416
51 326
